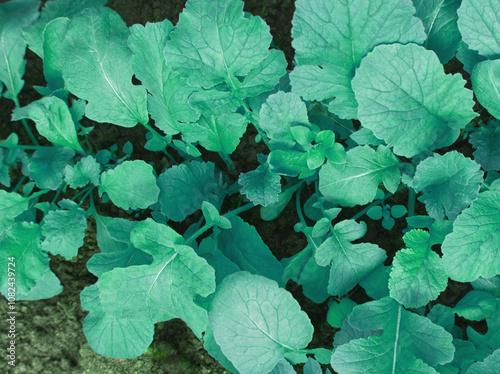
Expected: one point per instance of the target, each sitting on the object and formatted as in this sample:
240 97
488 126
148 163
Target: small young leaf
131 185
398 211
375 212
86 170
183 188
47 166
256 323
64 232
261 186
338 311
96 48
278 114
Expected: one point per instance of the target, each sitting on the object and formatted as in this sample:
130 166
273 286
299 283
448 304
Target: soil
49 332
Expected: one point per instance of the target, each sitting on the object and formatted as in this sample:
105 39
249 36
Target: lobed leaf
164 289
409 343
489 366
349 262
261 186
46 166
11 205
476 305
417 275
413 110
331 37
256 323
97 67
86 170
487 143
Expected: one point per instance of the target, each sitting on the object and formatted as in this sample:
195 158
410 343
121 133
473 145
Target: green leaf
489 366
356 182
214 350
96 48
264 77
478 22
487 143
417 275
491 339
220 133
490 285
46 166
256 323
472 250
278 114
214 43
212 215
449 184
338 311
22 241
409 343
11 205
14 16
164 289
33 35
64 232
283 367
86 170
168 91
131 185
399 103
243 245
303 269
349 262
53 52
290 163
331 37
261 186
53 121
476 305
486 82
440 21
376 282
111 336
183 188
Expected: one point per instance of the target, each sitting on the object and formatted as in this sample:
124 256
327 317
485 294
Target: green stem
227 160
89 192
19 183
207 226
38 194
57 194
31 147
298 205
411 202
254 118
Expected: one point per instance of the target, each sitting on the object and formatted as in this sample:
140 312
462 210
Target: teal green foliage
366 119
